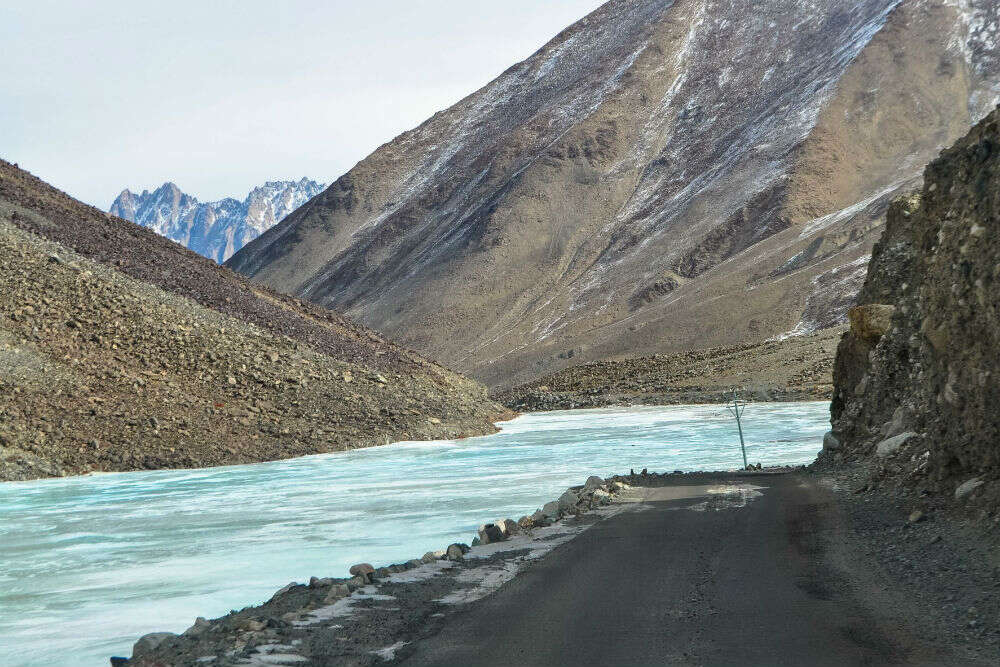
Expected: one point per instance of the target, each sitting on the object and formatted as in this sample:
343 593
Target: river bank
862 582
795 368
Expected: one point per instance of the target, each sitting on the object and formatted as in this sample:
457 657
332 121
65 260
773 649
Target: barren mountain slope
122 350
661 176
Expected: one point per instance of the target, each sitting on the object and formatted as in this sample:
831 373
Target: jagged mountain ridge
214 229
661 176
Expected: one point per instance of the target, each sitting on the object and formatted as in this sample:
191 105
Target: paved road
772 583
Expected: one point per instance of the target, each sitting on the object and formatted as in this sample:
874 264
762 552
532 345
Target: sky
221 96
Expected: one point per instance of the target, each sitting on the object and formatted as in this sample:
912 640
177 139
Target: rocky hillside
214 229
660 177
916 377
795 368
121 350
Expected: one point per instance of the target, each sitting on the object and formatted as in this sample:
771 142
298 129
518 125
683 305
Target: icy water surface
88 564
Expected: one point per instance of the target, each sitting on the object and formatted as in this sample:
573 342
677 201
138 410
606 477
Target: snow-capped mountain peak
214 229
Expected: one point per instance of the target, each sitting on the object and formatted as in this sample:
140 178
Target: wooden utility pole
736 409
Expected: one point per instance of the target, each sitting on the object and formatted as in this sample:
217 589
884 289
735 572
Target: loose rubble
323 615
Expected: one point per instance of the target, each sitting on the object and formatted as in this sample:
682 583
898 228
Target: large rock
508 527
362 568
890 446
593 482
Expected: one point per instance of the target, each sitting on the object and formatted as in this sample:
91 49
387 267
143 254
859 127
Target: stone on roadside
593 482
200 626
890 446
413 562
916 516
358 581
454 552
966 488
490 532
362 568
252 625
148 643
525 522
567 500
432 556
551 510
508 527
336 592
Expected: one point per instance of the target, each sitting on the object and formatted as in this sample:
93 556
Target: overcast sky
221 96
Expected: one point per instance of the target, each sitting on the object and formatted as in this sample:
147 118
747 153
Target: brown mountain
661 176
121 350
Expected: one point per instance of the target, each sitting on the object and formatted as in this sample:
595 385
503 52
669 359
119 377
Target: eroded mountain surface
661 176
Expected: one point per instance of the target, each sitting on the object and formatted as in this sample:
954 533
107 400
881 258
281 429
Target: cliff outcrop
917 376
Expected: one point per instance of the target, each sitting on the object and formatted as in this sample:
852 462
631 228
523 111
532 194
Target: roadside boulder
890 446
568 500
490 532
456 551
551 510
508 527
200 626
148 643
363 570
593 482
432 556
336 592
525 523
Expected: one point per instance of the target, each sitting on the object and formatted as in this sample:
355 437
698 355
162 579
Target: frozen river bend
88 564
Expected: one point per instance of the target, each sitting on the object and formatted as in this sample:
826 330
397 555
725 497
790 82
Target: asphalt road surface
681 582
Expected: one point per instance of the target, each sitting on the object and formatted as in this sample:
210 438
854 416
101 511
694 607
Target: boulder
551 510
508 527
593 482
362 568
525 523
252 625
890 446
830 442
200 626
966 488
455 552
432 556
568 500
148 643
358 581
490 532
336 592
413 562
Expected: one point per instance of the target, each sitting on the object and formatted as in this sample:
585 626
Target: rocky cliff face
121 350
214 229
661 176
917 377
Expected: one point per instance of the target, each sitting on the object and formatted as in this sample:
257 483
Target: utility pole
736 409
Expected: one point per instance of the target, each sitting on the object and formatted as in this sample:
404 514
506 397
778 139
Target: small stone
490 532
252 625
890 446
382 572
432 556
966 488
916 516
364 569
336 592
